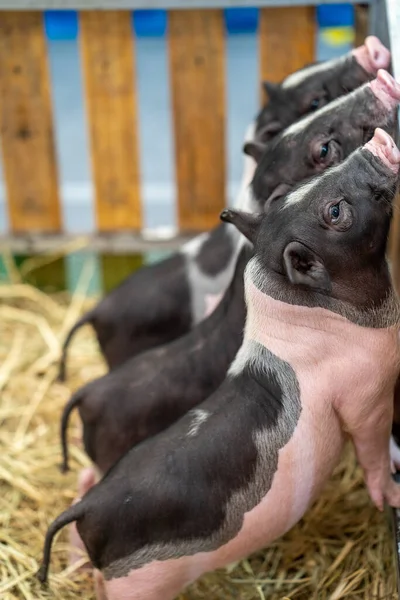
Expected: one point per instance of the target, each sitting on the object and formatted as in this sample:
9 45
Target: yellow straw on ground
342 549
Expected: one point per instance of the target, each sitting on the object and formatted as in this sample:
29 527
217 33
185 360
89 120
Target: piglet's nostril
379 55
386 89
383 147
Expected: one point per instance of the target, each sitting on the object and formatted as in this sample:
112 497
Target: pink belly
304 466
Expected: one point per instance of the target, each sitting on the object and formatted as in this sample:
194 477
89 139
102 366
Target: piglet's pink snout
386 89
383 146
372 55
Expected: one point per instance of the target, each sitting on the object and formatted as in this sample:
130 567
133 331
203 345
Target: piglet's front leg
370 432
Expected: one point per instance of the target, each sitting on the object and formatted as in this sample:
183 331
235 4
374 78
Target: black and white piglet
163 301
243 467
149 392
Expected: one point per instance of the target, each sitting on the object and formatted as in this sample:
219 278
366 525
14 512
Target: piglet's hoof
86 480
99 587
392 494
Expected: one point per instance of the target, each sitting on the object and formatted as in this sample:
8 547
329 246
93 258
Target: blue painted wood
63 24
335 15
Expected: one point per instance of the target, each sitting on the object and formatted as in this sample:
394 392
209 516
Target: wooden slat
361 15
394 244
26 122
138 4
110 243
109 73
287 38
197 74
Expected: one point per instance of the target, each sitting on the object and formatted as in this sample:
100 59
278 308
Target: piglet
133 401
149 392
320 357
316 85
161 302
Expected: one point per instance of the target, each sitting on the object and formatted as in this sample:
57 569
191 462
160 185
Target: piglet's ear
304 267
269 131
246 223
254 149
270 88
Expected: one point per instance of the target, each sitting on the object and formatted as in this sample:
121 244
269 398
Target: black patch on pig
216 252
150 392
151 307
144 508
288 104
295 157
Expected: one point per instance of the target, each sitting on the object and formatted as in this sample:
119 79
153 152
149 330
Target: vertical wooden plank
287 40
394 244
109 71
197 74
26 122
361 16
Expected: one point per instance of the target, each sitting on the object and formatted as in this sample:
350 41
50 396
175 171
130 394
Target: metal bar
378 23
148 4
385 22
110 243
393 22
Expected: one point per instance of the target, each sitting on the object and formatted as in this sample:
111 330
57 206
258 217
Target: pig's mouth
386 90
385 150
386 161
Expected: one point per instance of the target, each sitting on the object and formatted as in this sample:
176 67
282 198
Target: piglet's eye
314 104
324 151
334 212
339 216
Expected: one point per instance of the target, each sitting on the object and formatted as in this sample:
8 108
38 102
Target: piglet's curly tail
72 514
69 407
83 321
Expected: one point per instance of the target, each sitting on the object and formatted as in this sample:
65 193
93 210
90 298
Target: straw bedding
342 549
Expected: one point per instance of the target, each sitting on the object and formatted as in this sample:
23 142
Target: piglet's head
323 139
330 234
316 85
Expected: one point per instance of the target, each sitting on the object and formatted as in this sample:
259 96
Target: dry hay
342 549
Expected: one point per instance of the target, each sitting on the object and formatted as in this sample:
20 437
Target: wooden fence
196 41
196 59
